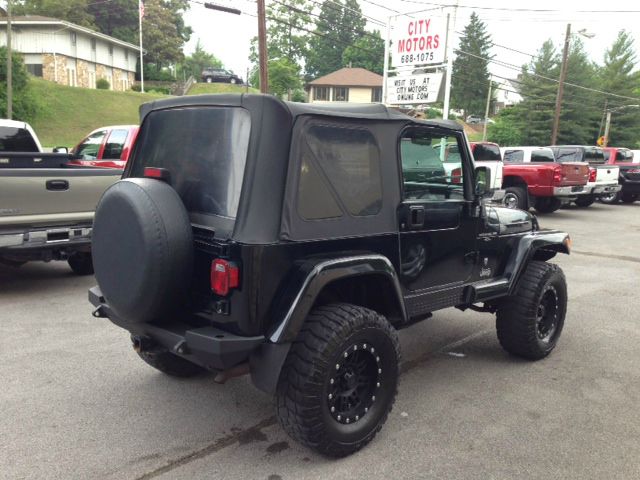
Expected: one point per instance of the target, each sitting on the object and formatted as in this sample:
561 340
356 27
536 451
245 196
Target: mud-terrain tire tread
585 201
171 364
547 204
324 331
515 319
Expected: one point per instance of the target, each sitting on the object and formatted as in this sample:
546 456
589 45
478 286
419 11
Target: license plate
576 189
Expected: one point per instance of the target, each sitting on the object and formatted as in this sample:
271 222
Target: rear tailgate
32 197
606 174
574 174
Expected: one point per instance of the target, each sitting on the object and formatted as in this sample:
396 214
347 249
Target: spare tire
142 249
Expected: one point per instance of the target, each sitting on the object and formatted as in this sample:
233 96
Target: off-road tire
517 320
81 263
518 194
585 201
333 334
171 364
547 204
628 197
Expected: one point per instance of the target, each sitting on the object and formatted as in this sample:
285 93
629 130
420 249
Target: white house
356 85
507 94
69 54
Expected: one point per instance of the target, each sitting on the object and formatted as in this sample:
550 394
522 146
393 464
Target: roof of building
40 20
349 77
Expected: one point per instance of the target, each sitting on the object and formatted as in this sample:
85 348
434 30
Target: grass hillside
67 114
202 88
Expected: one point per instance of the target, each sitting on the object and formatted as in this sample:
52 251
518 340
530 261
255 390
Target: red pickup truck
629 177
543 184
107 147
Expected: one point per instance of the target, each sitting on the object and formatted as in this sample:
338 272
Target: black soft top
259 217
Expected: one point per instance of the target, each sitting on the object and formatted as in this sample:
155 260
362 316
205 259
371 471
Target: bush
103 84
25 104
136 87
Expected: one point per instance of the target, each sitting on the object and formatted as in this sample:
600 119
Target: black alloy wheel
547 314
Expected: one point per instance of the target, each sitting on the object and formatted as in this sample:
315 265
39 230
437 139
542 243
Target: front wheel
530 321
340 379
548 204
585 200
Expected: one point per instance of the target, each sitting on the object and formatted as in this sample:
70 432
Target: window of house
376 95
321 93
110 49
74 38
339 173
72 80
34 69
93 44
340 94
126 54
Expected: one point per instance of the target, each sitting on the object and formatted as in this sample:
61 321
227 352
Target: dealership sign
418 40
413 89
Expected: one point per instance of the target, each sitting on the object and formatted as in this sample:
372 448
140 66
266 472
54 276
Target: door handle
57 185
416 216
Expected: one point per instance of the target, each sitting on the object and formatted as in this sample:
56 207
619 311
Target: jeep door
436 218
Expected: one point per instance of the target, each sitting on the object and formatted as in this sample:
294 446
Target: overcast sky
228 36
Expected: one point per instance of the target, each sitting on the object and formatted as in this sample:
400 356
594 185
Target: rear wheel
81 263
610 198
585 200
340 379
515 197
547 204
628 197
530 321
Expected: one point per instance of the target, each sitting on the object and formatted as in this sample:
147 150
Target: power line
510 9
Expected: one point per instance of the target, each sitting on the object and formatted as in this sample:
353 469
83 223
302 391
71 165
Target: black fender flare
296 302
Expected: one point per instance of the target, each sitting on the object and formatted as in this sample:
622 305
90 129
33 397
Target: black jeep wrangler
291 241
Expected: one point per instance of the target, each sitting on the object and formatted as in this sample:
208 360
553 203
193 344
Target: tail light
456 175
592 174
159 173
225 275
557 175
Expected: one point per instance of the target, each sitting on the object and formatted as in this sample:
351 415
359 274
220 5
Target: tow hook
98 312
141 344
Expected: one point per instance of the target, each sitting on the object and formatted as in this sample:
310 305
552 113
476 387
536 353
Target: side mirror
60 150
482 181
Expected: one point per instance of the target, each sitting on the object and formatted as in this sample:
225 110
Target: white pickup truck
46 205
603 179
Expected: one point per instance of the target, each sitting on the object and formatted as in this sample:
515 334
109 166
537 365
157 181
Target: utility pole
486 110
262 48
563 76
9 65
607 127
140 15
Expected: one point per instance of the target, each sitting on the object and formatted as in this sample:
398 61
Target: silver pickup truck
46 205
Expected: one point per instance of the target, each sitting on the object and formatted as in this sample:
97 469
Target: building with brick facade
356 85
69 54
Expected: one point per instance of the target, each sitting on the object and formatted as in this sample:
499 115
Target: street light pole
486 111
563 76
9 65
607 124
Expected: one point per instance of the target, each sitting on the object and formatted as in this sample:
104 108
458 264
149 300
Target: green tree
338 26
199 60
284 78
24 105
117 18
74 11
164 32
617 76
366 52
533 117
470 74
505 130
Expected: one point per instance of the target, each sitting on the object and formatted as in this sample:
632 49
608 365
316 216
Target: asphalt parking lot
76 402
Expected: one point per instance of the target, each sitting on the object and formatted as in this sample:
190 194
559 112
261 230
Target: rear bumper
571 191
57 237
209 347
611 188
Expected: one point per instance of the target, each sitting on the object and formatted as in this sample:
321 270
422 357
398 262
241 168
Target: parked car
210 75
474 119
544 184
106 147
603 179
290 242
46 204
629 177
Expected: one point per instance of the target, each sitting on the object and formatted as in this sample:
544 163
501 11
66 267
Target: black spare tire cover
142 249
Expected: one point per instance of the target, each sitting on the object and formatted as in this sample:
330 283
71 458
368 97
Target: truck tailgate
574 173
43 196
606 174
